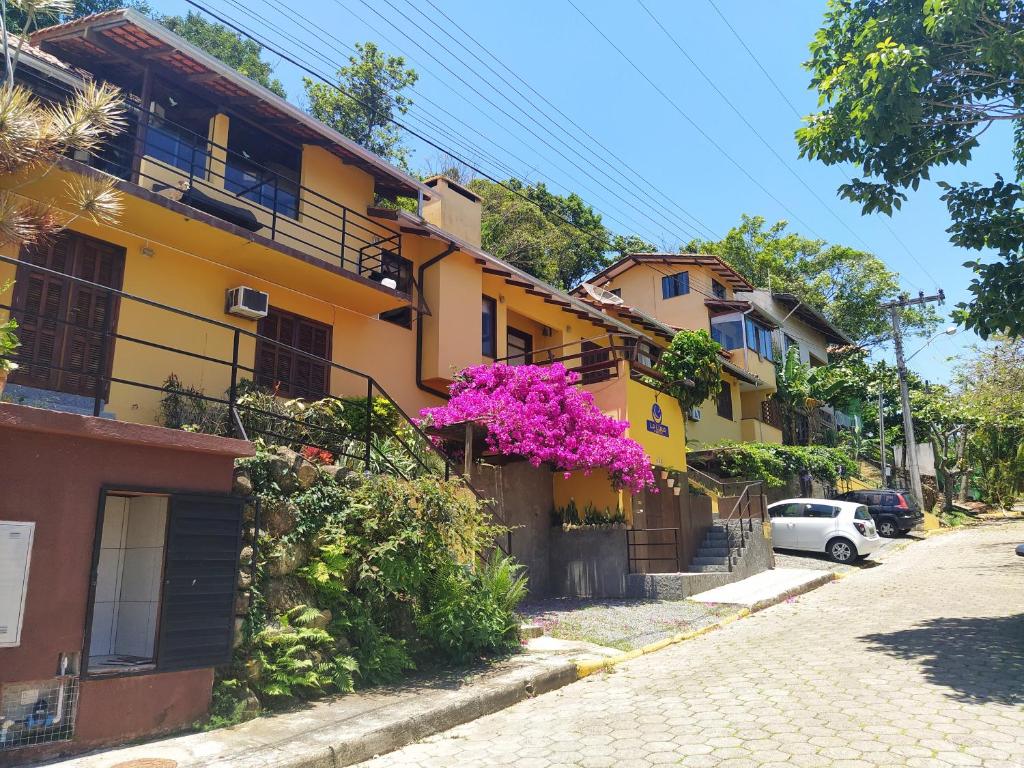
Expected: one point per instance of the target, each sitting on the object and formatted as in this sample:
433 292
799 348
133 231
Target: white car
843 530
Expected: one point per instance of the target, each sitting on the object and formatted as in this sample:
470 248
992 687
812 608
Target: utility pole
894 308
881 439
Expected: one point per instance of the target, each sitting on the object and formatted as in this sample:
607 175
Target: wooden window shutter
197 617
283 369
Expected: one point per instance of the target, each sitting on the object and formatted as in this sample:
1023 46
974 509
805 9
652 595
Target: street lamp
950 331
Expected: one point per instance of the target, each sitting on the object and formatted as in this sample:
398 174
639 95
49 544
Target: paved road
916 662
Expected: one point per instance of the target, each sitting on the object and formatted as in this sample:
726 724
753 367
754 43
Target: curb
587 668
392 736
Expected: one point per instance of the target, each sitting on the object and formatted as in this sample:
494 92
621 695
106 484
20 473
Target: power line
496 106
302 67
746 122
796 112
615 161
623 223
692 122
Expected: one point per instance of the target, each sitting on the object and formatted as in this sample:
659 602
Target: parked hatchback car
894 512
842 530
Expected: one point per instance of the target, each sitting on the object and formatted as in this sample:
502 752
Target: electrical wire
796 112
625 217
659 197
710 139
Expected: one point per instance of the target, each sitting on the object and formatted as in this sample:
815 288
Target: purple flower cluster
539 413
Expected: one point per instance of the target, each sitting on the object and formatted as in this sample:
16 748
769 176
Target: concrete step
710 561
709 569
716 537
707 551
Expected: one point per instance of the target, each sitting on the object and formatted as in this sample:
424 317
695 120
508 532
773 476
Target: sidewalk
346 730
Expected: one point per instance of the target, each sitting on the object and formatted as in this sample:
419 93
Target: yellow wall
641 288
712 428
453 212
595 488
756 431
664 451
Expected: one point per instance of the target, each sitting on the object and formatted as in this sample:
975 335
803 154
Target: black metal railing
401 448
169 158
596 363
739 521
647 552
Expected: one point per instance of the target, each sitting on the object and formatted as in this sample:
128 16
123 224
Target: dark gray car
894 511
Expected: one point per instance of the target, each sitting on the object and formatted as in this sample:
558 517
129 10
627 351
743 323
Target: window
727 330
787 342
675 285
820 511
717 289
489 329
176 147
262 169
785 510
279 362
861 513
597 356
520 347
725 401
759 339
164 582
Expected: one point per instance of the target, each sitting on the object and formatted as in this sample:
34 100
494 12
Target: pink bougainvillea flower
539 413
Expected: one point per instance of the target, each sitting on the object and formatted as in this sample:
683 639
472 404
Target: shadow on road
978 659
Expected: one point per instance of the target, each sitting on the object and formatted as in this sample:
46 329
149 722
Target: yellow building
701 291
276 239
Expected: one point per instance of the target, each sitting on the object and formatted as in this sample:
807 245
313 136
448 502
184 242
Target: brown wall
52 466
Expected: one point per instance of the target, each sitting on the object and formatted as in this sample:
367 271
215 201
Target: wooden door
60 322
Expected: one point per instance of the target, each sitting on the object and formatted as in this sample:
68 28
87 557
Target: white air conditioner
248 302
694 414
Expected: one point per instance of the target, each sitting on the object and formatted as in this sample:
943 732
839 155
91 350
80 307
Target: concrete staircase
716 553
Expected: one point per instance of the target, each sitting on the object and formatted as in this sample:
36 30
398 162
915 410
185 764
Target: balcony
182 170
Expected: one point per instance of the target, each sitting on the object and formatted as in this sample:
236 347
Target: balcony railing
173 339
596 363
170 159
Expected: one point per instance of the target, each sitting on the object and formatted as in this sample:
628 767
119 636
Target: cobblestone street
917 662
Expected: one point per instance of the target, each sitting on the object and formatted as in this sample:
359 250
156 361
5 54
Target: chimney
454 208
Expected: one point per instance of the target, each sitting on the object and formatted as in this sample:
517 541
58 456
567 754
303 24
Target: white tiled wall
129 576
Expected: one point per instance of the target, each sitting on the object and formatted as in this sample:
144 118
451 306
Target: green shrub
295 660
471 613
776 464
185 407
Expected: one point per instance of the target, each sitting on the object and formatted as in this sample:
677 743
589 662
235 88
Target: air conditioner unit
694 414
248 302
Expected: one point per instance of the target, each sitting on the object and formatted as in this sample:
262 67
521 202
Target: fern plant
297 660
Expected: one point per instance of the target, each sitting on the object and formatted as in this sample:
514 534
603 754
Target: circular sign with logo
656 412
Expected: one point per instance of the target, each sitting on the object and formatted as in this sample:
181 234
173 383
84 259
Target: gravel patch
622 624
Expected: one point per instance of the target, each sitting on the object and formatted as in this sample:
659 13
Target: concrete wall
588 562
522 495
85 453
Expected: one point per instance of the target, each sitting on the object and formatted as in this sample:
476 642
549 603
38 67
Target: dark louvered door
197 616
61 322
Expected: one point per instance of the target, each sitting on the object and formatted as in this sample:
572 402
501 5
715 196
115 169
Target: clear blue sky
560 55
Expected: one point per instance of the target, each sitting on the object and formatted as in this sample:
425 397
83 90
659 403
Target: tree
243 55
845 284
909 87
539 413
946 429
693 367
792 390
373 85
559 239
990 390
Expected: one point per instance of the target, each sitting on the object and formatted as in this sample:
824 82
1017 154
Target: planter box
587 562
